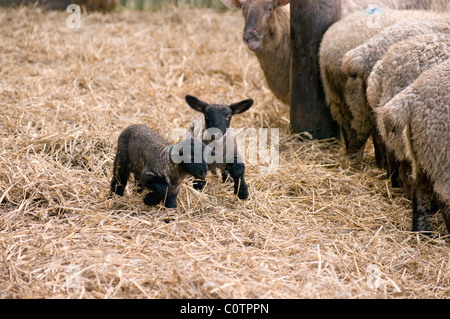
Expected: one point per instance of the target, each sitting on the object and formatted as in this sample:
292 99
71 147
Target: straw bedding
320 227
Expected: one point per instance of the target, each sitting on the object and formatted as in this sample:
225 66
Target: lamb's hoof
151 200
118 190
199 184
243 193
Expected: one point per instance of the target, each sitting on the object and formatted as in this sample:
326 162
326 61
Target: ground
318 225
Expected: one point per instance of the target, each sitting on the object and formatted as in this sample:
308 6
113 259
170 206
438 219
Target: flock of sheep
385 70
386 75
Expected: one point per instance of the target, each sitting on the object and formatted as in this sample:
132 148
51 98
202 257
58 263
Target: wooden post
309 112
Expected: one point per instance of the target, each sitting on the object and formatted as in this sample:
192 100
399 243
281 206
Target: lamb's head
259 19
218 116
192 156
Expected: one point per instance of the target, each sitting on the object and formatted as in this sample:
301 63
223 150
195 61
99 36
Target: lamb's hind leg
120 176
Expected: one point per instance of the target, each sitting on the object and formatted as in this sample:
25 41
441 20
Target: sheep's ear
233 4
241 107
280 3
196 104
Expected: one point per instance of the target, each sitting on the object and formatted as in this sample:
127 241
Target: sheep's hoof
199 184
243 192
151 200
118 190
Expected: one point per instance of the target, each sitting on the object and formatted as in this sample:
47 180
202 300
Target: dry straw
320 227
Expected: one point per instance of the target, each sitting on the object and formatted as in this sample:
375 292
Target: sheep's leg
423 199
158 187
120 176
237 171
355 145
171 199
199 184
346 135
394 170
445 210
380 150
225 174
405 171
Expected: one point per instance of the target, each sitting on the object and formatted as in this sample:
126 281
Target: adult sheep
402 65
340 38
350 6
267 33
358 63
415 124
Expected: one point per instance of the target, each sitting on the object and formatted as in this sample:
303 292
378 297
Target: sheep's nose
251 34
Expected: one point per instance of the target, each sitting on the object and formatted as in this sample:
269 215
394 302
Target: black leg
158 187
445 210
199 184
152 199
225 174
394 170
171 200
423 208
120 177
237 171
380 150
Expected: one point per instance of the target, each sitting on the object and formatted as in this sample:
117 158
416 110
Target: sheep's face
218 116
259 16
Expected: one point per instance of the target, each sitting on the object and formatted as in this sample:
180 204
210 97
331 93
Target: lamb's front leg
120 175
161 192
237 171
199 184
171 199
158 187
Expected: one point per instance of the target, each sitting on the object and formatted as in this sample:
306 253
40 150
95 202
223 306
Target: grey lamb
157 164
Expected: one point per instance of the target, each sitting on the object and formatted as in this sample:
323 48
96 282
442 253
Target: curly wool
419 117
341 38
403 64
360 61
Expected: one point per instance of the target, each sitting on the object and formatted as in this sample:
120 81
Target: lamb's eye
228 117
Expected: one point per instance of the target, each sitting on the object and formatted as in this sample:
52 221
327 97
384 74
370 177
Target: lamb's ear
196 104
233 4
241 107
280 3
